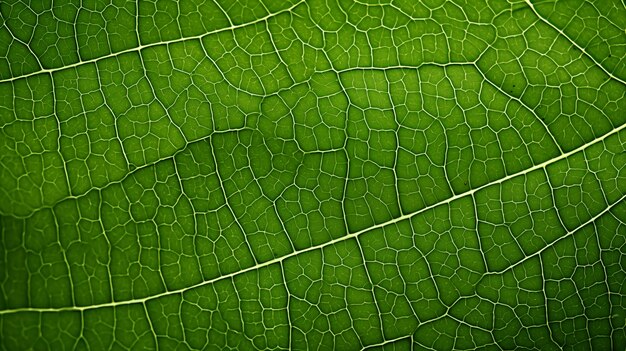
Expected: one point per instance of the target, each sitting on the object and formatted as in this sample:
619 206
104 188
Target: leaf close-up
312 175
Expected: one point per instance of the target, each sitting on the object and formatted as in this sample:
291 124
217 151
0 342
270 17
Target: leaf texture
313 174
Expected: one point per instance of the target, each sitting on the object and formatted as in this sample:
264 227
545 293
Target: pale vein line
544 20
386 342
141 47
324 245
564 236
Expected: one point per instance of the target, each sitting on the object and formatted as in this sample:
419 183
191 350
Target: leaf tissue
313 175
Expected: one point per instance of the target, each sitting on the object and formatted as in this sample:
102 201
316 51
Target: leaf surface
320 174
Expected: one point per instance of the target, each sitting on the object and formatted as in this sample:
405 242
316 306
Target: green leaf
320 174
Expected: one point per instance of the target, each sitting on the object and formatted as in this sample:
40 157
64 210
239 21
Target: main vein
332 242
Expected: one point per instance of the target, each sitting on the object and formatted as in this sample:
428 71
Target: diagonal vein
329 243
141 47
582 50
